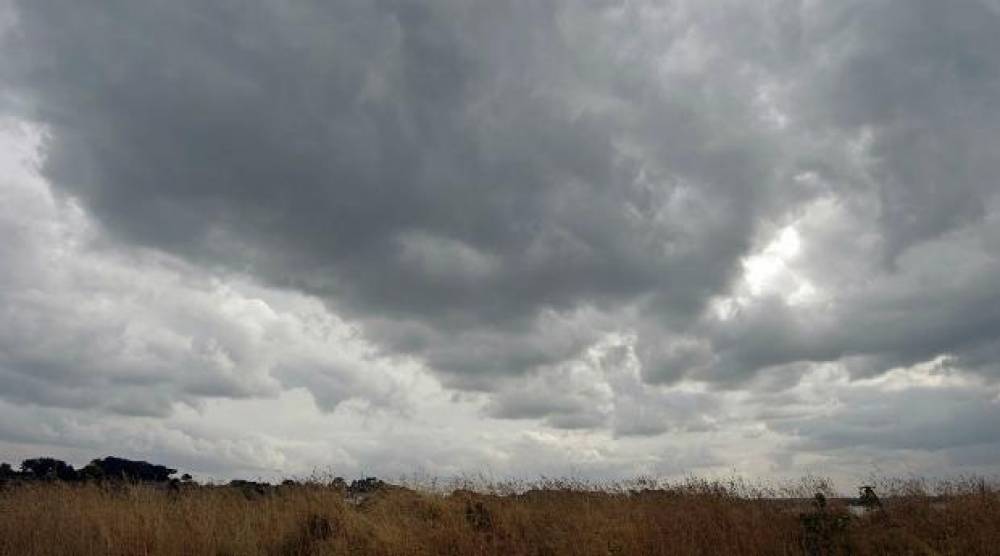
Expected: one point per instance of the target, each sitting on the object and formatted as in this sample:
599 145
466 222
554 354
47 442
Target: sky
501 239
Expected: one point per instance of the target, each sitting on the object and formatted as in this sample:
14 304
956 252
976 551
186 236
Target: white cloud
88 324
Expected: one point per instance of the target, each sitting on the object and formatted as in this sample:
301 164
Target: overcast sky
591 238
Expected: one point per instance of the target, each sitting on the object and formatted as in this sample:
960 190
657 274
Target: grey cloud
604 388
566 397
446 180
79 437
940 299
333 382
492 190
931 419
920 82
465 168
86 325
915 418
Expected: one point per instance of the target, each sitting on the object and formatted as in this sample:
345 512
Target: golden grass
696 518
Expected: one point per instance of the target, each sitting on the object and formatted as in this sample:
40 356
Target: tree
49 468
128 470
6 471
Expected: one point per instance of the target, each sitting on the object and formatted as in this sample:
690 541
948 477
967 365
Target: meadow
547 518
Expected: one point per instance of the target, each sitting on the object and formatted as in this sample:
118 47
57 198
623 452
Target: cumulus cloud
87 325
938 300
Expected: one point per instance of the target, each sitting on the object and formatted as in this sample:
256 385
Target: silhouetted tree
112 468
7 472
49 468
867 497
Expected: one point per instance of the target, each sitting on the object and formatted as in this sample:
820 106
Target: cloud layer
624 225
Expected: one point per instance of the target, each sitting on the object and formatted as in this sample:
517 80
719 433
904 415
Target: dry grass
694 518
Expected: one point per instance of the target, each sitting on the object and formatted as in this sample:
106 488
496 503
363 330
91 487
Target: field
693 517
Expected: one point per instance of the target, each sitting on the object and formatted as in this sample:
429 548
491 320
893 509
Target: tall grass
555 517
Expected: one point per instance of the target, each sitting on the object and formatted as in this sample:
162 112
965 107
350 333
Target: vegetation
41 514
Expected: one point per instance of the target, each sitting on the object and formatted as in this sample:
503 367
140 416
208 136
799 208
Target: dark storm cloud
446 172
906 265
495 188
922 80
572 211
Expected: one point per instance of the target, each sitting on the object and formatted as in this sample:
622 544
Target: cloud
134 332
28 430
408 163
916 80
622 226
938 300
901 421
604 389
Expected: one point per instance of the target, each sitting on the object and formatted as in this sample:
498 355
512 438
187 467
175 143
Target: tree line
114 469
102 469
